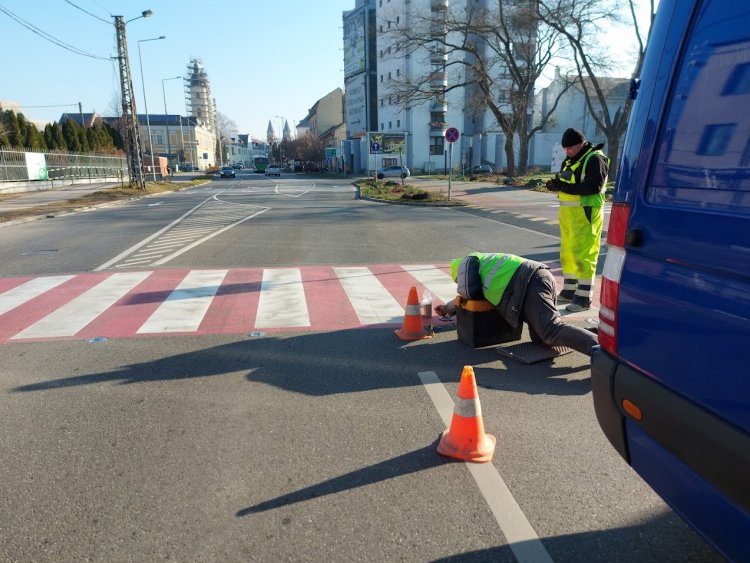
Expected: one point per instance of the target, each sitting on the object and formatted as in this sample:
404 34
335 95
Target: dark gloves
553 185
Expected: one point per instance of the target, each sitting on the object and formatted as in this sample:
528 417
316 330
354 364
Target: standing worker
580 186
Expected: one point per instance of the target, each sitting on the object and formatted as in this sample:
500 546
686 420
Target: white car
273 170
394 172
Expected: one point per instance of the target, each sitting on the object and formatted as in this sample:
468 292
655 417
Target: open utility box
479 324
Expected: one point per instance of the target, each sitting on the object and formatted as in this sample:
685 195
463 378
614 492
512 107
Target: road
279 421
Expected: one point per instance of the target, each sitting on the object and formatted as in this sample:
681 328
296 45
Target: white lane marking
435 280
27 291
204 239
372 302
521 537
73 316
282 300
184 309
145 241
504 223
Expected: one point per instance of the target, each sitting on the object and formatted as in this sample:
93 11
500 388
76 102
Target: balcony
438 127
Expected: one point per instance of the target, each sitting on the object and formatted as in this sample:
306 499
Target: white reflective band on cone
468 407
413 310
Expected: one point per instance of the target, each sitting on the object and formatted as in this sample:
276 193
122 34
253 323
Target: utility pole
129 112
80 112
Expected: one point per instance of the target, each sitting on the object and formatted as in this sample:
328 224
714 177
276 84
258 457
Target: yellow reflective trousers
580 238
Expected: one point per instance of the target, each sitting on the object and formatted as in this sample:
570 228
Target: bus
260 163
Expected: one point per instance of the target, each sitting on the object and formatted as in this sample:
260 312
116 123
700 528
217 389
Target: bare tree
579 22
496 53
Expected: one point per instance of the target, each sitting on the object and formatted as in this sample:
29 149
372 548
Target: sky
265 60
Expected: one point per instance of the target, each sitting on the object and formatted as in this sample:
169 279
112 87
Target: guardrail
18 165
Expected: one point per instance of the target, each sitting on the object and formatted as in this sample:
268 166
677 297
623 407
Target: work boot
579 304
566 295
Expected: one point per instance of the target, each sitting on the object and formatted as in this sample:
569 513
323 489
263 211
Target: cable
43 34
89 13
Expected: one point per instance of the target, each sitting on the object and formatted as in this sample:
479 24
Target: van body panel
682 349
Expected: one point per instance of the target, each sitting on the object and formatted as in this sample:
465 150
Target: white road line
184 309
521 537
435 280
27 291
372 302
282 300
76 314
504 223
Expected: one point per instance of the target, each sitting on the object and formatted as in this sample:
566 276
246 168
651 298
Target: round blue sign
452 135
375 147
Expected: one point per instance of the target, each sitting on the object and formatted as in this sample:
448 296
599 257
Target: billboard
389 143
354 43
36 166
356 105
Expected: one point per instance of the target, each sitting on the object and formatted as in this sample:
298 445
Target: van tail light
610 290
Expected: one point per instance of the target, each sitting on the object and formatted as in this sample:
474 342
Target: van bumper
710 446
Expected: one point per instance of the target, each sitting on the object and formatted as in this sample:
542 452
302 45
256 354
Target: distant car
394 172
237 166
189 167
273 170
482 169
227 172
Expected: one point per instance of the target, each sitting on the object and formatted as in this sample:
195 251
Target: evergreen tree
70 133
114 134
57 134
15 135
49 138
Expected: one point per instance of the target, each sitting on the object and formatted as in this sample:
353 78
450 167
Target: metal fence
22 166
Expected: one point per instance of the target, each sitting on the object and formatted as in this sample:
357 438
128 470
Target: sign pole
450 170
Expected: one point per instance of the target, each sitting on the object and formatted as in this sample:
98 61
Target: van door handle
634 237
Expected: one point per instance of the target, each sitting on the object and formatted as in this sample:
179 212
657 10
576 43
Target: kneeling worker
524 290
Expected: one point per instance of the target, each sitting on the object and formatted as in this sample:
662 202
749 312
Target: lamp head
147 13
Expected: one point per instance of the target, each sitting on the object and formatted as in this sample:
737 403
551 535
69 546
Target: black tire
380 176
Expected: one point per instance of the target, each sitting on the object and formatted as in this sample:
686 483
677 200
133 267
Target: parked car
237 166
670 378
394 172
273 170
482 169
187 167
227 172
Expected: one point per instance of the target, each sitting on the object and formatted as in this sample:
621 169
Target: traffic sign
375 147
452 135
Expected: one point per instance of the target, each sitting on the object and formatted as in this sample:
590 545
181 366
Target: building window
398 123
398 72
716 138
381 78
159 138
389 75
436 145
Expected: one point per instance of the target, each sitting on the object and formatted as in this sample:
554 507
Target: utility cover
531 352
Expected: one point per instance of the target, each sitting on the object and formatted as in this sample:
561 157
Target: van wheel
380 176
403 175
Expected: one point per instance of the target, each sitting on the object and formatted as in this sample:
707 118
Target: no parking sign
452 135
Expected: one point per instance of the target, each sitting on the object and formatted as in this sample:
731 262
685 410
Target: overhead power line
89 13
43 34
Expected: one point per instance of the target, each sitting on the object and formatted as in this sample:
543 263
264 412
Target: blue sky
264 59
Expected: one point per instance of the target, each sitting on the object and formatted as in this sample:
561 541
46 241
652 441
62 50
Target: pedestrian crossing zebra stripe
159 302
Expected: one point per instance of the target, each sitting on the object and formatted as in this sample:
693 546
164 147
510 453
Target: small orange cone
465 439
412 327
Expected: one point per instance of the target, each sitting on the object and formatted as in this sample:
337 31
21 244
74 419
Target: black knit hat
572 137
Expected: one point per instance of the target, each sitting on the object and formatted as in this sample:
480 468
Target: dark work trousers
545 324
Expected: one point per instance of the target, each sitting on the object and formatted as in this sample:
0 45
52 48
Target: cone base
482 453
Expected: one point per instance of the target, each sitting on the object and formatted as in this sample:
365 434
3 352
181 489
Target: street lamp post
129 112
166 116
145 103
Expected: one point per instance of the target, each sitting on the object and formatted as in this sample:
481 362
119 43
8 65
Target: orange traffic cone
412 327
465 439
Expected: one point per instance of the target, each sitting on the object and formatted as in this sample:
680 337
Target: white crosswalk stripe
23 293
73 316
184 309
436 281
282 300
371 301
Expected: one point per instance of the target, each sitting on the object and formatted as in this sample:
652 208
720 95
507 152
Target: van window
704 153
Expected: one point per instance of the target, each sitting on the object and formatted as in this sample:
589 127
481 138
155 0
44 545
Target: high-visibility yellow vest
573 173
495 271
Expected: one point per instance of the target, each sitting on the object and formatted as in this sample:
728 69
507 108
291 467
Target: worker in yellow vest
580 188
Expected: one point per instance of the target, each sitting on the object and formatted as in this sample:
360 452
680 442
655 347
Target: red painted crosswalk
223 301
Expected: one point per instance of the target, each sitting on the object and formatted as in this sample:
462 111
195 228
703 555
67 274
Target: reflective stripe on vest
495 267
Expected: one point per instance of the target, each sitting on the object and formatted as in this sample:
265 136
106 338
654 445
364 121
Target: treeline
16 132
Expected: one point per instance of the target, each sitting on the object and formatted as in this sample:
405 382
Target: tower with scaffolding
199 103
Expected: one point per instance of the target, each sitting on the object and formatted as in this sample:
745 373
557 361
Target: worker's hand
553 185
447 310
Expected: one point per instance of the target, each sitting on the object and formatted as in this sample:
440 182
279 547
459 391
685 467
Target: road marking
372 302
504 223
282 300
435 280
27 291
521 537
73 316
186 306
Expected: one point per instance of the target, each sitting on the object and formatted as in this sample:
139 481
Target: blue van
671 377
